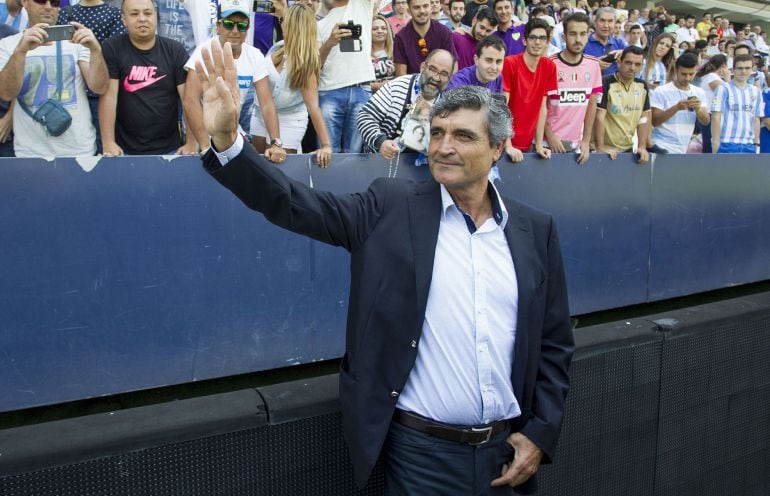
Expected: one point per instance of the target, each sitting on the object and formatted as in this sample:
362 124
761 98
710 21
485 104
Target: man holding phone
344 86
30 57
601 44
676 106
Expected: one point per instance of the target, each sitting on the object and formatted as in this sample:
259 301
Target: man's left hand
221 96
526 461
84 36
644 156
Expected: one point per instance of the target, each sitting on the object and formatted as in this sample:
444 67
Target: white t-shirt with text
30 138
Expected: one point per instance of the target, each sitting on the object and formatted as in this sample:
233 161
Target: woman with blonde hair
658 68
294 68
382 52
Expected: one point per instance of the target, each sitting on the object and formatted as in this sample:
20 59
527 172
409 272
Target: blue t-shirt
467 77
595 48
764 133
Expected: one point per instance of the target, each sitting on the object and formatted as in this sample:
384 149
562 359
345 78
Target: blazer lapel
424 218
520 242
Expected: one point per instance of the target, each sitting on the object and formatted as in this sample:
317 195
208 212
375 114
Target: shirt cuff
227 155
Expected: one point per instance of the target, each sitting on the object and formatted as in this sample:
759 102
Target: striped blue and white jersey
739 107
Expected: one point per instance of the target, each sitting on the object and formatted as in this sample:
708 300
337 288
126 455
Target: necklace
392 171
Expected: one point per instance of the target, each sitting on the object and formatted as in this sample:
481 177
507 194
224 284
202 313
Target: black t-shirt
147 115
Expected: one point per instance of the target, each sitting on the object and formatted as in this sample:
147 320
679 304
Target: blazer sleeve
344 220
557 347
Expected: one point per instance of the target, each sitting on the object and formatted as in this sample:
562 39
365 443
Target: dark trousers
419 464
93 105
6 149
705 135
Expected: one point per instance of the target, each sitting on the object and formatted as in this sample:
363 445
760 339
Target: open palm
221 96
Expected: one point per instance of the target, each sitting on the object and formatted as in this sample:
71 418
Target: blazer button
414 344
394 394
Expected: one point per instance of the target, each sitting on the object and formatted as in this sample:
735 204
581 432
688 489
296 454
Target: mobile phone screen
59 33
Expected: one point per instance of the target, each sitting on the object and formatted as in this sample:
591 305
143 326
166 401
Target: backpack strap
407 102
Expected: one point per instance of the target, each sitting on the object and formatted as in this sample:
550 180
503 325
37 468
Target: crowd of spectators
354 76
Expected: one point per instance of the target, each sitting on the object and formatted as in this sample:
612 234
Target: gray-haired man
458 337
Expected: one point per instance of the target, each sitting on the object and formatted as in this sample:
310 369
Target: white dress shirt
462 374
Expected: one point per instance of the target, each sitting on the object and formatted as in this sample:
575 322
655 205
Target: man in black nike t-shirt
139 114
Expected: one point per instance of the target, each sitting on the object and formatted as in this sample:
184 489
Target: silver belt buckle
487 430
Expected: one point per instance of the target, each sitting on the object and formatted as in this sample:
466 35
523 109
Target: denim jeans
340 109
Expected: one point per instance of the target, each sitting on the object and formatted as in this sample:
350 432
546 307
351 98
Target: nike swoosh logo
133 87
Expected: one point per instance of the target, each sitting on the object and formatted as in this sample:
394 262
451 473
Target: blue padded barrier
144 272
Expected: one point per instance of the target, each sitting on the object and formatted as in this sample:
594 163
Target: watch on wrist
276 142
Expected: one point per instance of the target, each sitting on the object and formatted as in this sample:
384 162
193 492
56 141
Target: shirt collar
499 212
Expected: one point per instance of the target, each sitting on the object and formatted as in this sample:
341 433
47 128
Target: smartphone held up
62 32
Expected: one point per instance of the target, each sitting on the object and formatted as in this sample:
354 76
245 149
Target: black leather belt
465 435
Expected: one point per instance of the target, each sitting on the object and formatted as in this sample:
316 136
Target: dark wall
144 272
671 404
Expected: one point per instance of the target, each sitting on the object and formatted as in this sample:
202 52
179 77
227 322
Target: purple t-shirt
465 47
407 51
467 77
264 24
513 39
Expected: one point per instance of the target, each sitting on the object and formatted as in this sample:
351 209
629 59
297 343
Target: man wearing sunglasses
29 58
139 113
232 25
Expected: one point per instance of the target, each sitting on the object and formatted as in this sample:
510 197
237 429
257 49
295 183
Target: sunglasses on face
54 3
228 25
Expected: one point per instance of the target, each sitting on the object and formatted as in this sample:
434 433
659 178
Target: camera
263 6
353 42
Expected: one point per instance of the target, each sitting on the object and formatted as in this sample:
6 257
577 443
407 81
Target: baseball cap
230 7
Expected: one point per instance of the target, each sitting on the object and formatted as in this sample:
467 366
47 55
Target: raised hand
221 96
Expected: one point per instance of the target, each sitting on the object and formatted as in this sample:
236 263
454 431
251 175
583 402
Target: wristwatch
276 142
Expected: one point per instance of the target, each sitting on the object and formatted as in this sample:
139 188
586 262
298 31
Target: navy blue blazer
391 232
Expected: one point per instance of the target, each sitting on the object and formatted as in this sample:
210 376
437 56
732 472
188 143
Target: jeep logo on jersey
573 96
